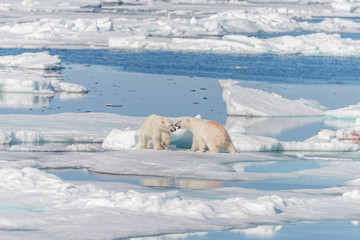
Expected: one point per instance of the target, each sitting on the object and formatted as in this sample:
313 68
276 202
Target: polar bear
207 133
156 128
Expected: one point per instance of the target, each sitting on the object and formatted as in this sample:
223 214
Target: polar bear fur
156 128
207 133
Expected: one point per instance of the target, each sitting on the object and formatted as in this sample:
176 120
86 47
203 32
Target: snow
351 112
254 102
41 60
121 140
205 26
180 192
44 200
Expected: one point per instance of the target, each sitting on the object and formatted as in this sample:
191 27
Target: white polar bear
207 133
157 129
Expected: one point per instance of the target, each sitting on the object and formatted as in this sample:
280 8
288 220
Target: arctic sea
186 84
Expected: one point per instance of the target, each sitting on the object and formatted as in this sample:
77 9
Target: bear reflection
181 183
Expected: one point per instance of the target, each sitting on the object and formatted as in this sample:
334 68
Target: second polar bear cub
156 128
207 133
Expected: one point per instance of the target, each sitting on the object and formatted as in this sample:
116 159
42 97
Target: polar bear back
147 128
156 124
210 131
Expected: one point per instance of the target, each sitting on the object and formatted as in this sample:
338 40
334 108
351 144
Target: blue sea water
290 69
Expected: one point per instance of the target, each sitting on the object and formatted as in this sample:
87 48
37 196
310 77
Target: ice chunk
346 5
121 140
70 129
40 60
21 82
243 101
352 112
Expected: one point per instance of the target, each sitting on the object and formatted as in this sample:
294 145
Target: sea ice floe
351 112
40 201
29 82
241 101
38 61
20 74
173 27
66 128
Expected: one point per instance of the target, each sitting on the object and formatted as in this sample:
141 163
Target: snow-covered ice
188 26
179 192
42 205
26 75
17 75
242 101
39 61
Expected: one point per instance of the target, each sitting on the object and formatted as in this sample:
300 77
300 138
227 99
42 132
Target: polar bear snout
172 129
177 125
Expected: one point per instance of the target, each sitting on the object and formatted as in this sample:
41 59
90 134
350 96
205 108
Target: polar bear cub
157 129
207 133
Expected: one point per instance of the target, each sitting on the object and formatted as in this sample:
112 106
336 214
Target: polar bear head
183 123
165 124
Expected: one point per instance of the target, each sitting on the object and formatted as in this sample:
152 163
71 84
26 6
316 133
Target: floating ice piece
346 5
341 140
49 5
65 128
40 60
85 25
315 146
274 126
317 44
248 143
21 82
243 101
351 112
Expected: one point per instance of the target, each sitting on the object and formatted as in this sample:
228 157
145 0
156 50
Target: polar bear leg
165 139
143 141
201 145
213 148
231 148
194 146
156 139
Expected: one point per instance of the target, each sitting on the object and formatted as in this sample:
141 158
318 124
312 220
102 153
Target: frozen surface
39 61
271 183
43 200
214 192
26 73
87 131
293 27
249 102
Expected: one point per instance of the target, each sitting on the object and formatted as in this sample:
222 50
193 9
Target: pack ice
38 205
26 73
295 26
